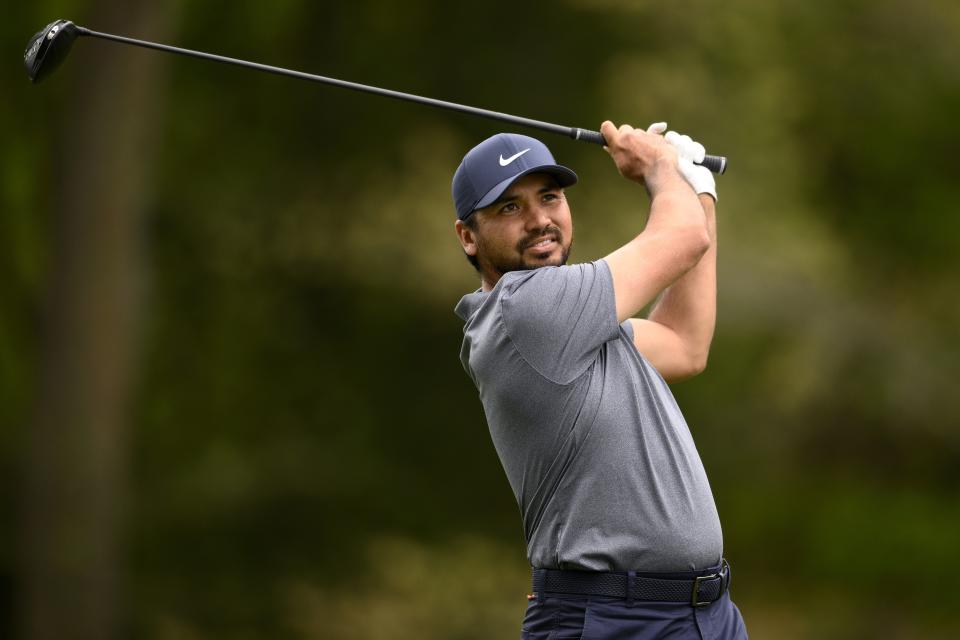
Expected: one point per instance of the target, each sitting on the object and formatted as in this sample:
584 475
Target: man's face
527 228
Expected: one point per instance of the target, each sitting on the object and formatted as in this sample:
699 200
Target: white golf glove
688 152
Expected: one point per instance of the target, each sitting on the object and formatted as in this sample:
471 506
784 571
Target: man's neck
489 279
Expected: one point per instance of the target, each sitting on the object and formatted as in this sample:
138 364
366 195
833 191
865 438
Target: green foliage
305 445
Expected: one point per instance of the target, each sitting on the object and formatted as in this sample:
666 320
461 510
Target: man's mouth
540 244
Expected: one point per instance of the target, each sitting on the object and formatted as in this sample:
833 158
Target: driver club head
47 49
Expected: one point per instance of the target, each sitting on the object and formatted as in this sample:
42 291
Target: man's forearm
672 242
689 305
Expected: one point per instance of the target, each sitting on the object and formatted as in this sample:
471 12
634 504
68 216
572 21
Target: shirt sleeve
558 318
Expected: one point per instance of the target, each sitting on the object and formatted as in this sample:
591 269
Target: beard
519 261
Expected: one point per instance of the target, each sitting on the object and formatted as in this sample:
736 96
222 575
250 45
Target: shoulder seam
516 347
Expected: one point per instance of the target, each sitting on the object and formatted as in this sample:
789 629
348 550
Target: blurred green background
230 392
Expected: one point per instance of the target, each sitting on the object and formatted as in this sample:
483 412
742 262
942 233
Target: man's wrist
708 203
665 175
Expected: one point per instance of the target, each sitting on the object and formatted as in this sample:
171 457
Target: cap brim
565 177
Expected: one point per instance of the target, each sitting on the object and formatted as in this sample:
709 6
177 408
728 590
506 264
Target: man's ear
467 238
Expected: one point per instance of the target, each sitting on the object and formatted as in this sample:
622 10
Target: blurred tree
72 559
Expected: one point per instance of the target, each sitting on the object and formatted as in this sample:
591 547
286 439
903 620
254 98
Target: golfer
622 531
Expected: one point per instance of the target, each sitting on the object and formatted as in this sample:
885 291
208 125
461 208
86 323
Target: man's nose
537 217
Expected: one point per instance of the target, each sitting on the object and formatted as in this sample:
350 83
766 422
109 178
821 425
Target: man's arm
675 236
675 338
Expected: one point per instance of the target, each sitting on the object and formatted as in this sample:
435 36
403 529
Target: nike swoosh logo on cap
505 162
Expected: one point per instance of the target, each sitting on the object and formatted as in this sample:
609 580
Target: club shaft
714 163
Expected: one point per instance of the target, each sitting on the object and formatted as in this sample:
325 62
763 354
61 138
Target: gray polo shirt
599 457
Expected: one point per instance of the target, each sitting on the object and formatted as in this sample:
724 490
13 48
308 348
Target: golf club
47 49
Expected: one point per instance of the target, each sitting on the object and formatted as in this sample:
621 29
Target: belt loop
631 575
539 581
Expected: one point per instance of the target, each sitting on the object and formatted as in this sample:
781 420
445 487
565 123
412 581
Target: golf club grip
716 164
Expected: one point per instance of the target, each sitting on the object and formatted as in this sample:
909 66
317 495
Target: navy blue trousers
563 617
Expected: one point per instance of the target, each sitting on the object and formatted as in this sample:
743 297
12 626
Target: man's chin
549 261
529 263
553 259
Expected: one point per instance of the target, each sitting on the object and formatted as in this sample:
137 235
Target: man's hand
690 151
643 156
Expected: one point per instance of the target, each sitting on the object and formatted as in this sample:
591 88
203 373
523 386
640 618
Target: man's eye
510 207
550 196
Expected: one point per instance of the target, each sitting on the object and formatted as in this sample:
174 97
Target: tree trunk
72 559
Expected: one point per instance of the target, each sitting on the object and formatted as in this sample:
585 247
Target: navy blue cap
496 163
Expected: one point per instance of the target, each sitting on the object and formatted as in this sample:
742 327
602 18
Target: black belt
697 591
